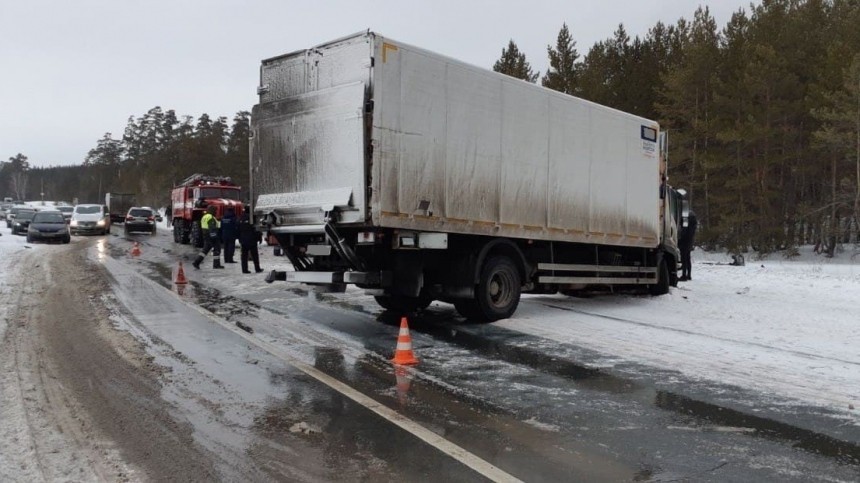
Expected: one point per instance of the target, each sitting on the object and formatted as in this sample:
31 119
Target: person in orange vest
211 239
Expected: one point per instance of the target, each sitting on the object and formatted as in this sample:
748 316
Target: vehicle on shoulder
158 217
140 219
12 213
66 211
48 226
4 209
22 221
90 219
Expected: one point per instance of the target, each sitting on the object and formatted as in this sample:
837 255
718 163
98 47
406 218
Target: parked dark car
22 220
48 225
140 219
13 212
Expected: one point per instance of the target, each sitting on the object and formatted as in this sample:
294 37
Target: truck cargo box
385 134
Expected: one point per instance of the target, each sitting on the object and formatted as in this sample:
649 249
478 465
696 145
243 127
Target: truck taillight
129 218
150 218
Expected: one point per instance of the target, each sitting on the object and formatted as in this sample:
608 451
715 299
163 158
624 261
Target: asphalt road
234 379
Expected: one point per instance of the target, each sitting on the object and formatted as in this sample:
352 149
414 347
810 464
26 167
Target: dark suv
140 219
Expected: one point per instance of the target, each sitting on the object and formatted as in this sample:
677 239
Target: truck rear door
308 146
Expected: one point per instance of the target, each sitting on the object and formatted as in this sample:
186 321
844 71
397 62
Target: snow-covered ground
11 247
786 329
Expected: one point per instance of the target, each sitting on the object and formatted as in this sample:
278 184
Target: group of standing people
227 231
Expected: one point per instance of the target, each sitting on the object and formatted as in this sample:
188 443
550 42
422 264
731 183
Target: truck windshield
229 193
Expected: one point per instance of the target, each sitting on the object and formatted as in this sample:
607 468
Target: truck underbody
482 276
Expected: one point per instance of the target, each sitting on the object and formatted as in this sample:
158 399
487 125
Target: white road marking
476 463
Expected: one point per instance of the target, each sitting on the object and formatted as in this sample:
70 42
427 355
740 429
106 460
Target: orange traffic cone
403 380
403 354
180 275
135 250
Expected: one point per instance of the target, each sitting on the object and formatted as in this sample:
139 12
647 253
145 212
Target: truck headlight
73 223
101 223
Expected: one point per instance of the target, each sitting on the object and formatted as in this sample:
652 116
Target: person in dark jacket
685 244
249 237
229 234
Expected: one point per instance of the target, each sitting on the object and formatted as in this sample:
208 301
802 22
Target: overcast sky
72 70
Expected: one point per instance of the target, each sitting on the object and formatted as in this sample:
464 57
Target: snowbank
784 328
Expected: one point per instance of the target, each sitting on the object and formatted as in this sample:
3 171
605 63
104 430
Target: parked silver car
90 219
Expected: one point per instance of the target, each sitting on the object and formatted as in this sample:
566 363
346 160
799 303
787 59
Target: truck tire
402 304
177 234
184 233
662 285
497 294
196 236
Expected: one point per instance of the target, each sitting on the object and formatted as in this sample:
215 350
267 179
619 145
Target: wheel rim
501 289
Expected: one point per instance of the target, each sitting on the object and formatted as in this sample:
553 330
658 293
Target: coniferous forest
763 115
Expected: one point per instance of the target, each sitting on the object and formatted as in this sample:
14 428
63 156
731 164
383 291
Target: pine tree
563 70
513 63
687 109
19 168
237 148
839 139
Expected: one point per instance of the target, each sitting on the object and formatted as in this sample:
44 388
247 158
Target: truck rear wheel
497 294
400 303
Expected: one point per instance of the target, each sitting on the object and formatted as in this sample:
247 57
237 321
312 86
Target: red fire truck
193 196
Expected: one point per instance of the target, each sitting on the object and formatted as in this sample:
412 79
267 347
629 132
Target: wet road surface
534 409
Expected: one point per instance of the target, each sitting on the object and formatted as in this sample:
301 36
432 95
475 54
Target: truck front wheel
497 294
662 285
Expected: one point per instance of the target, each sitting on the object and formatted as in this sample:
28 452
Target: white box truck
418 177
